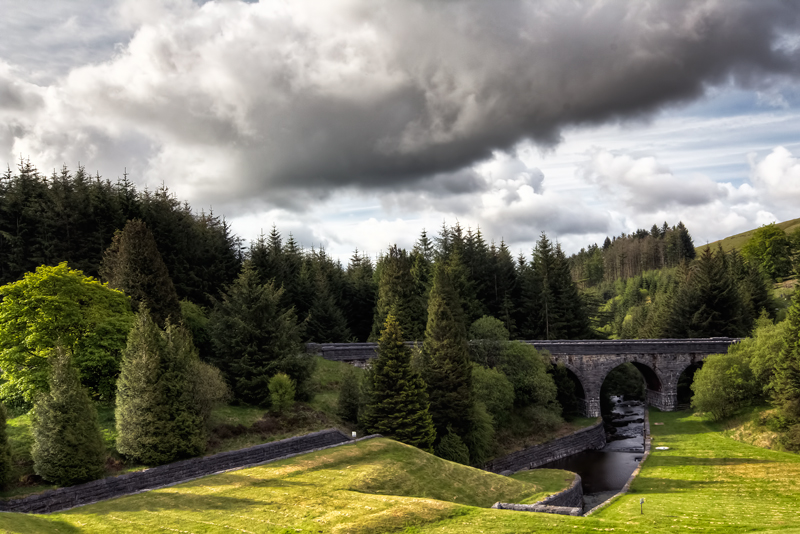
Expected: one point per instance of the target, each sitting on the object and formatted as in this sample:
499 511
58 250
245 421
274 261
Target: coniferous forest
209 319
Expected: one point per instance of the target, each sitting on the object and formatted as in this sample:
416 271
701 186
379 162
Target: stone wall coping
544 505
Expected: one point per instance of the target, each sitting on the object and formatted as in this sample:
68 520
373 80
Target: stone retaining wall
566 502
593 437
174 473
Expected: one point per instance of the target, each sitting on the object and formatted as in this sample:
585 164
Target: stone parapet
593 437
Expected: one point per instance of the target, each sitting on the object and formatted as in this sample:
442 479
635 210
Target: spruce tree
349 398
254 337
134 265
398 406
708 302
68 447
398 295
158 417
360 293
448 370
5 450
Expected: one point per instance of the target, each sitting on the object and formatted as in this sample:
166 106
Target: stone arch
683 393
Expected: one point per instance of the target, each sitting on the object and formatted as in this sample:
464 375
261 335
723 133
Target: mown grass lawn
705 482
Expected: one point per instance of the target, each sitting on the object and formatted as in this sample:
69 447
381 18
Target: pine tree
158 417
398 406
398 295
68 447
254 337
133 264
448 370
360 293
5 451
708 302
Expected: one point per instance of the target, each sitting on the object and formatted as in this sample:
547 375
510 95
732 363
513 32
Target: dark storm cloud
317 96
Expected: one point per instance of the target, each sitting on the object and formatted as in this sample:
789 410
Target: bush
480 437
281 392
209 389
723 385
495 391
452 448
489 338
68 447
526 369
349 397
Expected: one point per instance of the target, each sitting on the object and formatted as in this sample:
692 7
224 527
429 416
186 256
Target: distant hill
737 241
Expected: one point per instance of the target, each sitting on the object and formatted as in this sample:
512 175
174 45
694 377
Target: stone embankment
593 437
174 473
566 502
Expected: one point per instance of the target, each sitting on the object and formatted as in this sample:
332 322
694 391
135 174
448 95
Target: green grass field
705 482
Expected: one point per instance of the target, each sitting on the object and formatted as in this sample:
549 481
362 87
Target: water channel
605 471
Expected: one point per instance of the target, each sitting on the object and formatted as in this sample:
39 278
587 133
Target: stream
605 471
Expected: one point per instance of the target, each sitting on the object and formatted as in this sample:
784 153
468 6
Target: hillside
705 481
737 241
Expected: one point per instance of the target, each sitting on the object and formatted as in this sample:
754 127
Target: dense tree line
632 254
72 217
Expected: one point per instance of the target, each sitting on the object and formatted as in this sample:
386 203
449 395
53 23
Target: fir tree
360 292
254 337
708 302
398 295
448 370
5 450
326 322
68 447
158 417
133 264
398 406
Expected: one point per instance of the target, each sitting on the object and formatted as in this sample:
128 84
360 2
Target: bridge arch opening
629 380
684 388
569 390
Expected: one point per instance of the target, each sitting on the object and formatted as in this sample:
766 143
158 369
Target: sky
356 124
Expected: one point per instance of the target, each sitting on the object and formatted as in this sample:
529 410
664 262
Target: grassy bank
705 482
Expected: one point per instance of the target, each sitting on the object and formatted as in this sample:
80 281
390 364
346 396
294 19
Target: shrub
480 437
495 391
723 385
281 392
68 447
452 448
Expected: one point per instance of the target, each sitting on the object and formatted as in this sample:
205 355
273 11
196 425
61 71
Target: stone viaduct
661 362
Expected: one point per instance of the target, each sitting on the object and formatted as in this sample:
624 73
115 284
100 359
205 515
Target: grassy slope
372 486
705 482
737 241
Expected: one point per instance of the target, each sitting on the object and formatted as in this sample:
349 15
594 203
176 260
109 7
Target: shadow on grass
671 485
678 461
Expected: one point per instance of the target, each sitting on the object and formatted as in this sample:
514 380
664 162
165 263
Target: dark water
605 471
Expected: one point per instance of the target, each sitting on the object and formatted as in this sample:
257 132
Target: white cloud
777 176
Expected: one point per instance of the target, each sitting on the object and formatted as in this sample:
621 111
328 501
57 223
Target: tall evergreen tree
158 416
398 295
398 406
326 322
708 303
133 264
360 293
448 370
68 447
254 337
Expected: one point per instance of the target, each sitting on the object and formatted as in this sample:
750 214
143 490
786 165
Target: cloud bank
283 103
